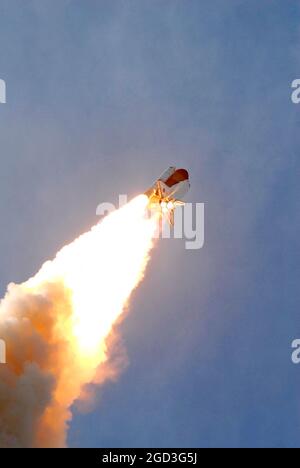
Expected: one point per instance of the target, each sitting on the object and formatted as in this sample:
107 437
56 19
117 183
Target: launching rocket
168 190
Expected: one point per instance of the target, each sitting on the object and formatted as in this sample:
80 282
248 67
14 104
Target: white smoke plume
59 327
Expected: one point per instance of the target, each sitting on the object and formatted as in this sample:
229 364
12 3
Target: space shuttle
168 191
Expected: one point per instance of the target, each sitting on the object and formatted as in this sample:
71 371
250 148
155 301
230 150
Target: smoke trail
58 326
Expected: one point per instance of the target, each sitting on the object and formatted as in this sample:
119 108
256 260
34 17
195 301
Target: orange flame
72 305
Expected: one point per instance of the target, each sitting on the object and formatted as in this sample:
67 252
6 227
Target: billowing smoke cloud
58 327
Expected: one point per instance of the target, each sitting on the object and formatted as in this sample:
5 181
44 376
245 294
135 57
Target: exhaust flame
58 325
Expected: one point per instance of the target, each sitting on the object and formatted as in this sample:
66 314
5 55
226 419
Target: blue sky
101 97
